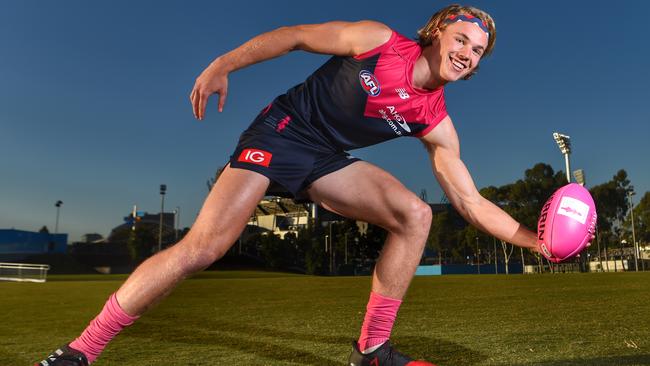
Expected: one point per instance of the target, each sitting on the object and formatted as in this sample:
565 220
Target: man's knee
413 217
420 216
200 250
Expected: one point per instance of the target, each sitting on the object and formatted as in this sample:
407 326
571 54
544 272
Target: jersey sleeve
379 48
438 112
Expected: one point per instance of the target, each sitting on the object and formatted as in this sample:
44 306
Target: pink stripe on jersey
378 322
431 125
397 103
379 48
101 330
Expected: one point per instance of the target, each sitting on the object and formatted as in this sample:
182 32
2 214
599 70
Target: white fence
23 272
618 265
557 268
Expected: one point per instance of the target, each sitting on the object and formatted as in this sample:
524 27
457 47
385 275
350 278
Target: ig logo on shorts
369 83
254 156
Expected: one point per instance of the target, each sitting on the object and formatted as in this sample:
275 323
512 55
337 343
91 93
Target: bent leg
365 192
221 220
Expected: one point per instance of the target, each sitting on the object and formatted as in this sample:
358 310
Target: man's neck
425 72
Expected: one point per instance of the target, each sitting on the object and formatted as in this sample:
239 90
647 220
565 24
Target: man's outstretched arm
334 38
444 151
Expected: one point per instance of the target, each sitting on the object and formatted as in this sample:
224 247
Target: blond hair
437 22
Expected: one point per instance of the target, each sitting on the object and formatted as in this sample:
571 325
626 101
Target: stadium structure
15 245
280 216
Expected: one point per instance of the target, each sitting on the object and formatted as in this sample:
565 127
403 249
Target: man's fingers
192 94
203 99
222 100
195 104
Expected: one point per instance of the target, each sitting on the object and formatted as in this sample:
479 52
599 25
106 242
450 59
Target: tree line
451 240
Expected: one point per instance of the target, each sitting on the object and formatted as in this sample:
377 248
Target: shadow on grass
438 351
249 339
629 360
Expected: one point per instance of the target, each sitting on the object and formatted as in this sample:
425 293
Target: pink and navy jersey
353 102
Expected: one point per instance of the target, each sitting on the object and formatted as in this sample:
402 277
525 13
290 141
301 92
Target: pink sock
102 329
378 323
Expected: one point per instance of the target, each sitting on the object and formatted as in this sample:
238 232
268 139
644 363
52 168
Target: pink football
567 223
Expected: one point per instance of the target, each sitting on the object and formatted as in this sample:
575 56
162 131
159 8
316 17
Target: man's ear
436 33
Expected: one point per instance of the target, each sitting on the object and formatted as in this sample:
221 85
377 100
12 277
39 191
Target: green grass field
257 318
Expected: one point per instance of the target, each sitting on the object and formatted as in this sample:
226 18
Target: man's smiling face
461 46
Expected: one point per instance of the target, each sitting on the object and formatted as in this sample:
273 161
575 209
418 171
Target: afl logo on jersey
369 83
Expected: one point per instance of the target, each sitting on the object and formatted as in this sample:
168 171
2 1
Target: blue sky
94 104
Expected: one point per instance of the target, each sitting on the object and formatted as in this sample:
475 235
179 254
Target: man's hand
213 80
332 38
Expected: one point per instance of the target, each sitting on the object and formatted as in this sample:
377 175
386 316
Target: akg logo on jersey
394 117
369 83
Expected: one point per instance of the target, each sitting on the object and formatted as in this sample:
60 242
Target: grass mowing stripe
261 318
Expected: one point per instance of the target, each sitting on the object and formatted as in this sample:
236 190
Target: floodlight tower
177 221
134 216
564 143
636 246
163 190
58 205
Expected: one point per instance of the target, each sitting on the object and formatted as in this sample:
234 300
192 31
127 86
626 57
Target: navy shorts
291 162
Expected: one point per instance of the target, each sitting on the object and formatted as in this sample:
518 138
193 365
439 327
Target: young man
378 85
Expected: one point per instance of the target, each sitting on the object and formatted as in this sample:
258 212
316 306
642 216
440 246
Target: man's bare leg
365 192
221 220
224 215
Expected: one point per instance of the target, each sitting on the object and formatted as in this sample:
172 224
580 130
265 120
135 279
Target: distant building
279 216
146 218
91 238
282 215
18 244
